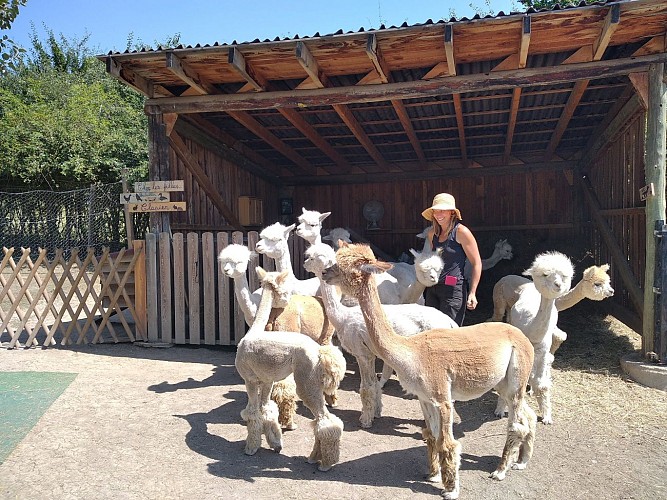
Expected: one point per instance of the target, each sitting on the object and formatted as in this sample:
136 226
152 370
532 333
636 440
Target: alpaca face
318 258
354 266
336 234
552 274
504 249
428 266
598 283
234 260
273 240
310 224
277 284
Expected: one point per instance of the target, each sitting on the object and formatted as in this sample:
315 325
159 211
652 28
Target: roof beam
458 107
237 61
309 64
449 48
611 22
375 55
302 166
132 79
188 75
405 90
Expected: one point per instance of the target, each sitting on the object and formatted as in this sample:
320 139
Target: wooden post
654 165
140 291
158 168
129 227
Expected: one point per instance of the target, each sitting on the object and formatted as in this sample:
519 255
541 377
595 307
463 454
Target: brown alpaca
442 365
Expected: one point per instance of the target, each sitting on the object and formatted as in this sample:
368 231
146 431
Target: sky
110 23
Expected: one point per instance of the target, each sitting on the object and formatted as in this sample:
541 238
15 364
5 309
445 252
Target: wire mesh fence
81 218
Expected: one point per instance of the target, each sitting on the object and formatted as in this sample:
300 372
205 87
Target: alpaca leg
271 426
526 448
518 431
499 304
328 430
368 390
542 384
252 415
332 368
433 474
284 394
450 453
557 338
501 408
387 372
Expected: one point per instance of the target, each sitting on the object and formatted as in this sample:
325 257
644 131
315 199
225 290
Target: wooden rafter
375 55
189 76
309 64
237 61
129 77
191 163
405 90
612 20
458 106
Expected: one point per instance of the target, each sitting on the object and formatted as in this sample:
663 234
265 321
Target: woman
457 243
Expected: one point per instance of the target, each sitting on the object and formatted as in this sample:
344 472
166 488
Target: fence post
140 289
659 346
129 227
152 305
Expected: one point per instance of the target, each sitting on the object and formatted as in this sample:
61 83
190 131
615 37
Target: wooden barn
545 126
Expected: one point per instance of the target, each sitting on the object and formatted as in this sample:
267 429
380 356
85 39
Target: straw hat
442 201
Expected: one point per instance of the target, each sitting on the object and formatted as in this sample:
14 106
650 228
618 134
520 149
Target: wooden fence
168 288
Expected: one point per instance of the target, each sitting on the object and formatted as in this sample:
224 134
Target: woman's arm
467 240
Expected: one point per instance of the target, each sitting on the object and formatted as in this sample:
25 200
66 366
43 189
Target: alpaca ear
528 272
324 216
342 244
288 230
282 277
303 210
414 253
605 267
260 272
326 237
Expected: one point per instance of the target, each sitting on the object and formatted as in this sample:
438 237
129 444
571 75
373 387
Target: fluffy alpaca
273 243
594 285
441 365
406 319
413 279
535 314
263 358
502 250
301 314
310 225
336 234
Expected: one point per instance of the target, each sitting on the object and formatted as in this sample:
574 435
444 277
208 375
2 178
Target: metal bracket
656 290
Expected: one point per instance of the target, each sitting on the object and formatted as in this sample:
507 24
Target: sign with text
159 186
157 206
126 198
646 191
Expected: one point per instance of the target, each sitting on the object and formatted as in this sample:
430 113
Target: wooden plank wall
190 300
616 175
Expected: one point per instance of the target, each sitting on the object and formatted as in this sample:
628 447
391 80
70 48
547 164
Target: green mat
24 397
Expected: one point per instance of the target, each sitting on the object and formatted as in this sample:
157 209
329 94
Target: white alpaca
273 243
263 358
336 234
301 314
406 319
594 285
310 225
413 279
535 314
502 250
441 365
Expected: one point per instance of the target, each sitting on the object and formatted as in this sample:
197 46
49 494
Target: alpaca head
355 264
504 249
276 283
318 258
234 260
310 224
597 283
273 240
424 233
428 266
551 273
337 233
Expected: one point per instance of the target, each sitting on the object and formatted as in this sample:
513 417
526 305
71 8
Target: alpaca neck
414 291
541 323
263 312
283 262
385 343
244 298
336 312
572 297
491 261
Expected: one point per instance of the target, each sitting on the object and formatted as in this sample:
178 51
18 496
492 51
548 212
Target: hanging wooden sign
159 186
126 198
157 206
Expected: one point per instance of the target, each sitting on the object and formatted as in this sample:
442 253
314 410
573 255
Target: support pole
158 168
654 165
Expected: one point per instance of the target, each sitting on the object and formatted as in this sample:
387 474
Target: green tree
550 4
65 123
9 51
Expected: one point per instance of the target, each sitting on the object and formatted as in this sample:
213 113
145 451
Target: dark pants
449 299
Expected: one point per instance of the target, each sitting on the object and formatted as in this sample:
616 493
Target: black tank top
453 256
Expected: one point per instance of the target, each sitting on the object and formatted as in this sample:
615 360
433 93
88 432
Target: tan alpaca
594 285
263 358
442 365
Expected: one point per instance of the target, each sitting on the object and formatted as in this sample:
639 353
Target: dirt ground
150 423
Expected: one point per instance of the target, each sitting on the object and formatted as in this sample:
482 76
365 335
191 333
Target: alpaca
301 314
535 314
273 243
502 250
594 285
264 358
415 278
406 319
337 233
310 225
441 365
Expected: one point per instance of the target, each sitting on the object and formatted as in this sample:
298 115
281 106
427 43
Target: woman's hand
472 301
